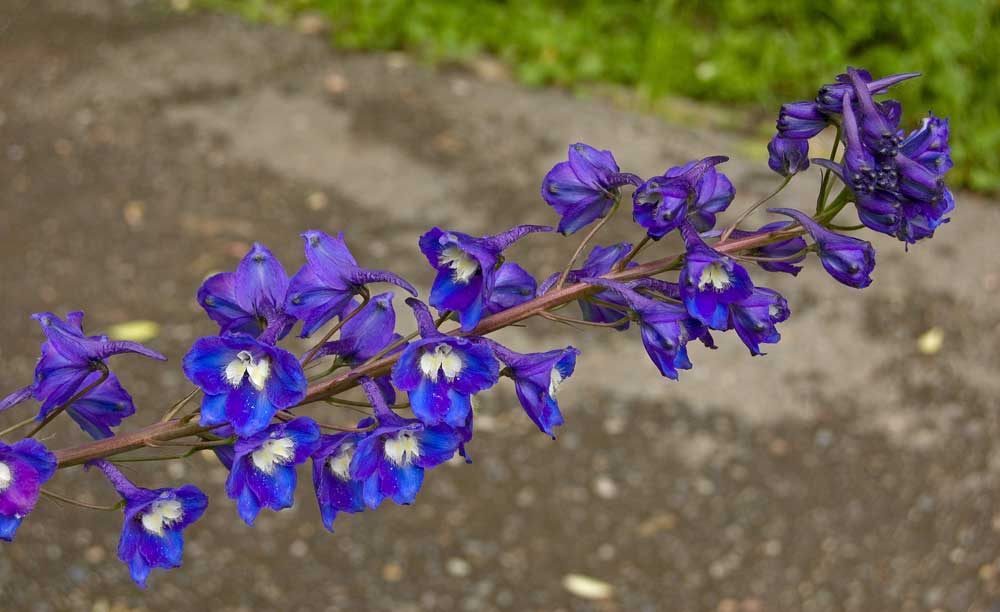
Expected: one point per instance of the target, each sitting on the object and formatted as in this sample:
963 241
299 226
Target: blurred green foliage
746 51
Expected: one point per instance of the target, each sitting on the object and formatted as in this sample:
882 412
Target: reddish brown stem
171 430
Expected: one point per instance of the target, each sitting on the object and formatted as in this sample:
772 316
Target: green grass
752 52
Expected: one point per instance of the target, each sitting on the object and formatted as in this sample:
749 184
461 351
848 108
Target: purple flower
928 145
584 188
155 519
512 286
102 408
665 327
710 281
71 362
466 268
791 250
847 259
24 467
788 156
599 262
801 120
440 373
245 381
263 466
878 123
754 318
391 459
250 300
713 193
537 377
322 289
662 203
365 335
336 490
830 98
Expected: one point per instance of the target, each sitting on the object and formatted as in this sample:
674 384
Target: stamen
273 453
162 514
402 449
6 476
245 365
464 266
715 275
443 359
555 381
340 464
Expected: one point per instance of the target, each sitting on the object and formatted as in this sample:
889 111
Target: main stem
174 429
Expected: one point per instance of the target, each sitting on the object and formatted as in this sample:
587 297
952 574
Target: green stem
79 503
825 185
749 211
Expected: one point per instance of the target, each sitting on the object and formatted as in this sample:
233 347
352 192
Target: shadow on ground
846 470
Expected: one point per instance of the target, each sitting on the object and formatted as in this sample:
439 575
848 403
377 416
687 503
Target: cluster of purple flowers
896 179
251 387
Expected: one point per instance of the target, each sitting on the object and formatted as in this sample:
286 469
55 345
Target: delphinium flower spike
155 519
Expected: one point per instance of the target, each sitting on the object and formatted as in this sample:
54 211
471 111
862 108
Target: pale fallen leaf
136 331
587 587
930 341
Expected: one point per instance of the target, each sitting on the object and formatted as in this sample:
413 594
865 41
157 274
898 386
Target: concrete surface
846 470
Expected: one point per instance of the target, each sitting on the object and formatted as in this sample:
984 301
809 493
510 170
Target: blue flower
662 203
511 287
788 156
754 318
70 363
928 145
250 300
830 98
336 490
442 372
466 268
847 259
710 281
263 466
791 250
365 335
155 519
24 467
583 189
599 262
391 459
801 120
323 288
245 381
713 192
537 378
666 327
879 123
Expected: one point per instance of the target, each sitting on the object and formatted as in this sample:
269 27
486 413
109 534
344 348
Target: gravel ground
846 470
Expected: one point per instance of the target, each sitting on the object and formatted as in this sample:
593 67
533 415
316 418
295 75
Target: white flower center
462 264
402 449
442 358
6 476
715 275
340 464
273 453
555 381
162 514
773 311
258 371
